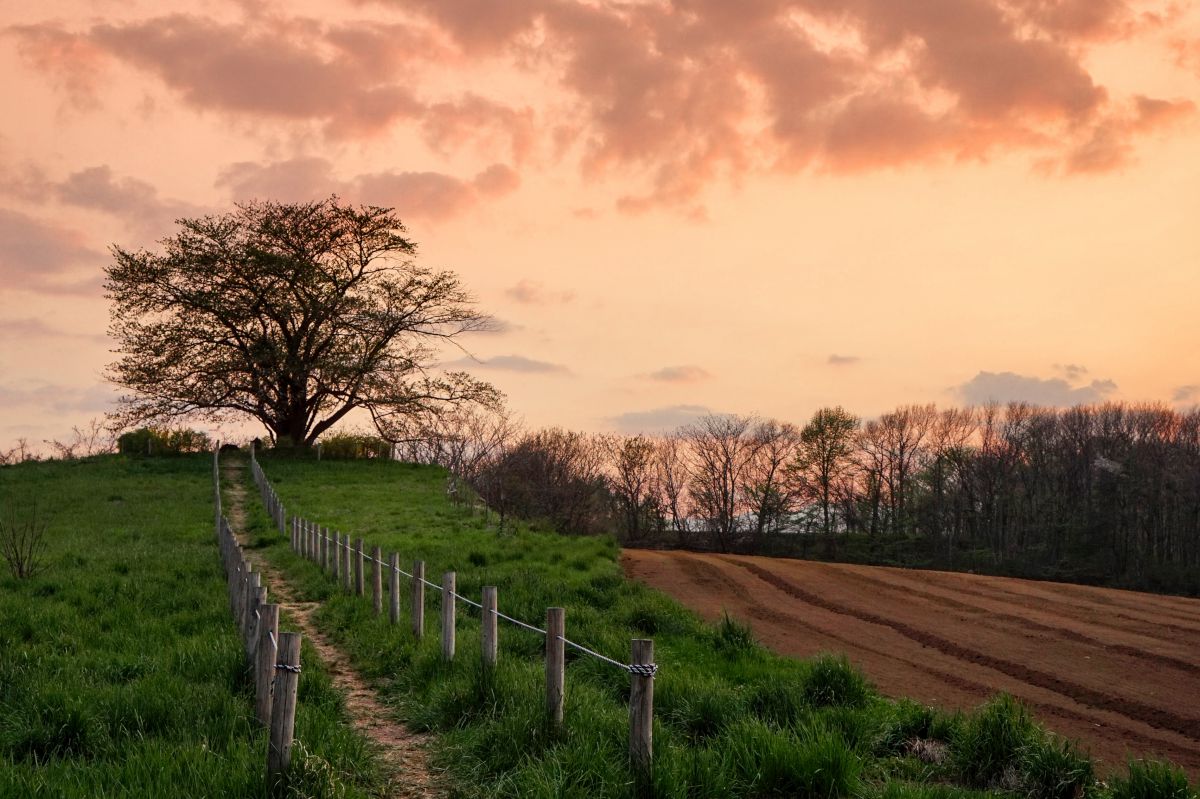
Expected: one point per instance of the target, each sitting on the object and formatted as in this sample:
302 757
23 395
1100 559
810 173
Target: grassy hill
731 718
121 674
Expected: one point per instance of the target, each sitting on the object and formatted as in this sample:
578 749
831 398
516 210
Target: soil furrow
1152 716
710 576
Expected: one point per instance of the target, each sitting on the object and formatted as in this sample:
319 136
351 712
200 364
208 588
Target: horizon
672 210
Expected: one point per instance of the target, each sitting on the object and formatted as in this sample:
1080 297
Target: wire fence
274 657
346 563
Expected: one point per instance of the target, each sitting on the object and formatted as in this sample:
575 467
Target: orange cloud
426 195
673 95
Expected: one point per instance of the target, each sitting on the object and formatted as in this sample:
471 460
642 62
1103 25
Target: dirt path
1108 668
402 753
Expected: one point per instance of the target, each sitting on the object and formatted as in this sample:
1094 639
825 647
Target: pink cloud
425 195
670 97
689 373
531 292
76 64
45 258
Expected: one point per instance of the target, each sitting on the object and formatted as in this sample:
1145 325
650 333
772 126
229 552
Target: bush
991 742
23 537
1149 779
832 681
162 441
354 446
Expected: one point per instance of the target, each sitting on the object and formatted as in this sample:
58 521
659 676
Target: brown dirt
1115 670
403 754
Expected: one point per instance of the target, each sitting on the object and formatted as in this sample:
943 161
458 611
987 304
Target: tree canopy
293 314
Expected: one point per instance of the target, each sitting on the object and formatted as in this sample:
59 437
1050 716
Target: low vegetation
731 718
121 673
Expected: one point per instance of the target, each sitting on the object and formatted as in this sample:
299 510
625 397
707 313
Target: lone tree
293 314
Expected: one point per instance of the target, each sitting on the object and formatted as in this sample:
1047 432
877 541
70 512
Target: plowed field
1119 671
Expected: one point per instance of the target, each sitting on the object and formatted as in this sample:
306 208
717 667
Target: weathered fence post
347 568
283 709
394 588
358 567
555 664
264 661
337 558
254 590
490 624
376 580
418 599
260 599
641 717
323 533
449 606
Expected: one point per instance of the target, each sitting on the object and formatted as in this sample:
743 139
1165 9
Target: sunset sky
762 206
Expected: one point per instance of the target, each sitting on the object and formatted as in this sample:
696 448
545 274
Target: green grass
121 672
731 719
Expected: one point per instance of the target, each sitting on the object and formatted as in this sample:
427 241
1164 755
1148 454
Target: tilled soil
1116 670
403 754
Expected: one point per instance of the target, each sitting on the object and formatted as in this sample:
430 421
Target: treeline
1106 494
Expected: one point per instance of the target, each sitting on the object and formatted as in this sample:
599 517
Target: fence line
273 657
313 542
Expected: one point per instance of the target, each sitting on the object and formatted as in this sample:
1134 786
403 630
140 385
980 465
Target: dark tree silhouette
293 314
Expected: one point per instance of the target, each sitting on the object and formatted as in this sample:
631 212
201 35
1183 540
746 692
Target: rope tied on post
642 669
287 667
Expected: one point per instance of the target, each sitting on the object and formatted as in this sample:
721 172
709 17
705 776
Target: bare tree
721 449
633 483
23 538
97 438
672 479
767 485
824 458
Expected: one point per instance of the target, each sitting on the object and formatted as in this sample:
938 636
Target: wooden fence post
260 599
418 599
376 580
253 581
264 662
358 567
323 538
491 639
283 709
641 718
394 588
555 665
337 558
449 606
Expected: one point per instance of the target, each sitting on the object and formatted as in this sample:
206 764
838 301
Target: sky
673 208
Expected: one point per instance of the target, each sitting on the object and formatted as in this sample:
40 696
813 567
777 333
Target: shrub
23 537
354 446
161 441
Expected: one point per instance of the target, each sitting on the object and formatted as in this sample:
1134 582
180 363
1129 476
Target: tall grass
732 720
121 673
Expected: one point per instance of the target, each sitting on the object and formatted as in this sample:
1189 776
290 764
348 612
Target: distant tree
770 493
633 484
721 449
292 314
826 445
